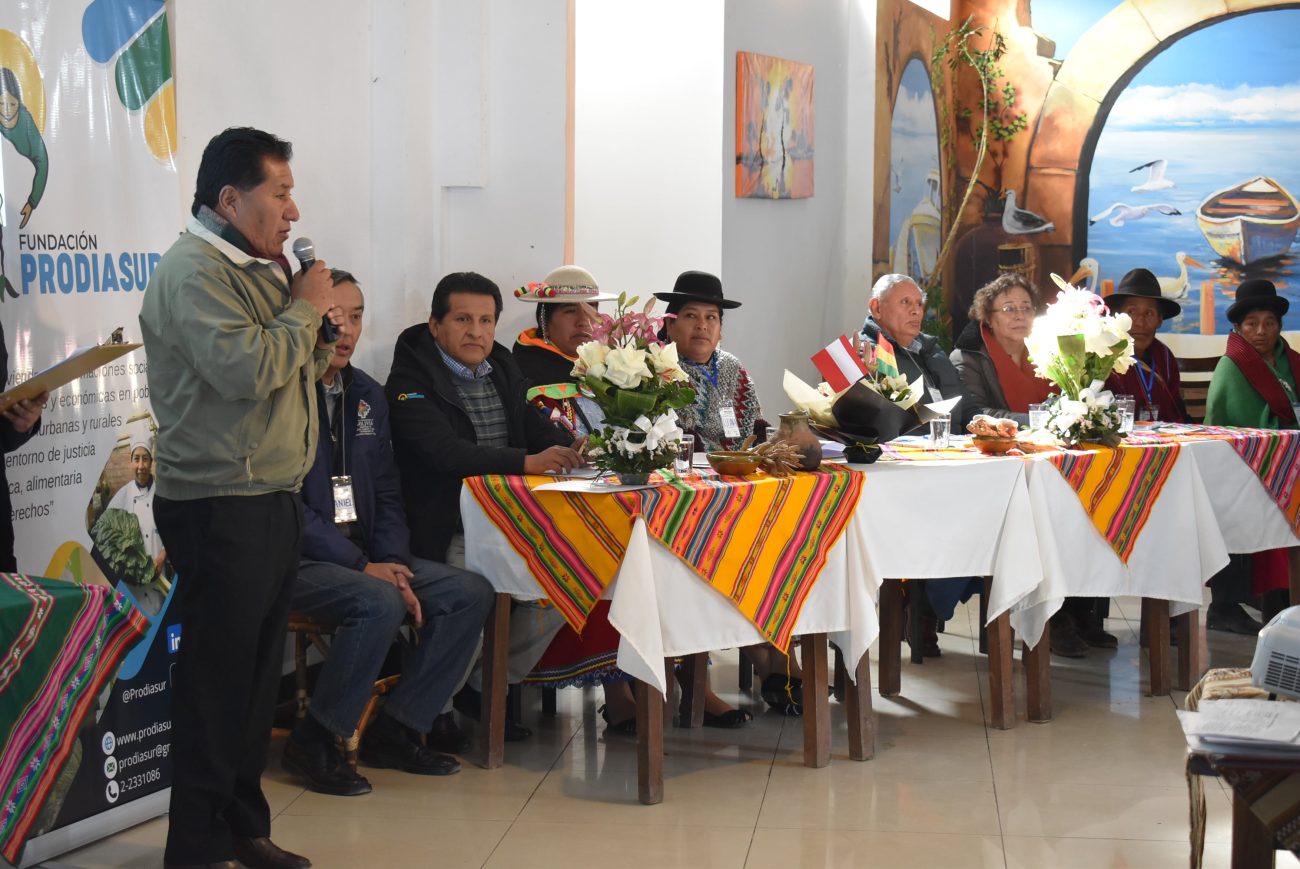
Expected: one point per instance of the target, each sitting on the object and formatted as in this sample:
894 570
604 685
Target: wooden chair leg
496 645
817 713
1155 614
650 716
891 637
861 717
1002 699
1191 662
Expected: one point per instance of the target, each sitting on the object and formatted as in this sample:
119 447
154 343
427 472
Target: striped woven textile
1118 486
61 643
761 542
1273 454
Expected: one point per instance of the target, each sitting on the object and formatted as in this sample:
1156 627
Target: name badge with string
730 428
345 507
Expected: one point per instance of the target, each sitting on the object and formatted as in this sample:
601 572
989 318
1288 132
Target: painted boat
1251 221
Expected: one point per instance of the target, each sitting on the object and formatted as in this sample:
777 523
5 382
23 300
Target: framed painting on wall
774 127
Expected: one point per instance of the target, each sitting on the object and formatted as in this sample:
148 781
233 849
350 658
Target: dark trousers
235 560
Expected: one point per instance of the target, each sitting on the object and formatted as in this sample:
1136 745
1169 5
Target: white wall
798 264
649 119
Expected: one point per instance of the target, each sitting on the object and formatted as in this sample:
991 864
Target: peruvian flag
840 364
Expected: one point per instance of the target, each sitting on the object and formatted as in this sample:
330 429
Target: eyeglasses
1017 310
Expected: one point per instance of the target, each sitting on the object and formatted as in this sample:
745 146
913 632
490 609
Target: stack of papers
1250 726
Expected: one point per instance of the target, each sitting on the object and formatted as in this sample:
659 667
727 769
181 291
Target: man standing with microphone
231 340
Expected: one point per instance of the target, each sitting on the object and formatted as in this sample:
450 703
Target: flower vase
633 478
794 430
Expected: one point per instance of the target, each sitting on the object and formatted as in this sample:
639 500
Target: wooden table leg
891 638
1002 699
496 645
862 718
650 741
816 702
695 689
1252 844
1155 613
1038 675
1191 663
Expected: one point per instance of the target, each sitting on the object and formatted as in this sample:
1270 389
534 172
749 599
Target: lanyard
711 375
1147 385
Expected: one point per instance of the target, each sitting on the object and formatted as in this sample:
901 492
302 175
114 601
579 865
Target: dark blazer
10 440
434 438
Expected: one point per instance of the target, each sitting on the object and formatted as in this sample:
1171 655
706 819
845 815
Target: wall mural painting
1194 172
914 180
774 127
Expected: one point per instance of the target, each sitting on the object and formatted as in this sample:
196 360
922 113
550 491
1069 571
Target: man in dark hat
1153 380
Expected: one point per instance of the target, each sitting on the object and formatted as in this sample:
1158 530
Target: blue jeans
368 611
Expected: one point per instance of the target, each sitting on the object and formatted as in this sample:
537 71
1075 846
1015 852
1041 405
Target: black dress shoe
262 853
1065 640
322 768
469 703
1232 618
447 736
784 694
388 744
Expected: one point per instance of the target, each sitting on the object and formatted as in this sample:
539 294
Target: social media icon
110 767
112 792
109 742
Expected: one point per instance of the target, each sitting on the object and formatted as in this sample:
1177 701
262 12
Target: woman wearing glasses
990 353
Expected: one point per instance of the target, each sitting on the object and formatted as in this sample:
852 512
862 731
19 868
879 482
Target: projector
1276 667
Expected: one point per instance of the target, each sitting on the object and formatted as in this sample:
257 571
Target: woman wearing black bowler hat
1255 385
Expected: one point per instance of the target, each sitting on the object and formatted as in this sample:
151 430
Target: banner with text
88 203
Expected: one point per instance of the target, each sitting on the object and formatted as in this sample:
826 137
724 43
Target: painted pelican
1176 287
1019 221
1156 179
1090 272
1125 212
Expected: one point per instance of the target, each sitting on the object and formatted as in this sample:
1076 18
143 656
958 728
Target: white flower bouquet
1076 344
639 384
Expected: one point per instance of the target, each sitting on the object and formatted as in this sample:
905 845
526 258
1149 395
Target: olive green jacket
233 366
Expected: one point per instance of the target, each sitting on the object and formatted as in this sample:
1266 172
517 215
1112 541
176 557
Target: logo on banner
173 639
135 32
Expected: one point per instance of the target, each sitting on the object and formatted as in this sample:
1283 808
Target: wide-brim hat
564 286
1141 284
1254 294
697 287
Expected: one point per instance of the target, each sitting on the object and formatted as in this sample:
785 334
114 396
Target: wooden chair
309 632
1195 373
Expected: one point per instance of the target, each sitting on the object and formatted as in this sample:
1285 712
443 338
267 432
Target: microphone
305 251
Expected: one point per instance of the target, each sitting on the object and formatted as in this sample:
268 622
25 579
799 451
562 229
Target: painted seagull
1156 179
1018 221
1126 212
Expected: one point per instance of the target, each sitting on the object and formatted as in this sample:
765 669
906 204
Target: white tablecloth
1248 518
663 609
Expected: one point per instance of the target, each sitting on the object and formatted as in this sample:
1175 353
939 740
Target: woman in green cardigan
1254 385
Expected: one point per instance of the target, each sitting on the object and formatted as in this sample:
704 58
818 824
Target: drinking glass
1037 415
939 431
1127 404
685 453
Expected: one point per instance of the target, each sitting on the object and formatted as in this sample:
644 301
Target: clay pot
794 430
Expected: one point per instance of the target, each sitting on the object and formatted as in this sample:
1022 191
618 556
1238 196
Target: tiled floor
1101 786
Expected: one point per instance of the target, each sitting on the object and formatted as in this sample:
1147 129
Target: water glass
1127 405
685 453
1037 415
939 431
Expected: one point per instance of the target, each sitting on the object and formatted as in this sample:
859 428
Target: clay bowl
734 464
993 446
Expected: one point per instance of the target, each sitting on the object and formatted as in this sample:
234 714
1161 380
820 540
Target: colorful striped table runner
762 541
1273 454
1118 486
61 643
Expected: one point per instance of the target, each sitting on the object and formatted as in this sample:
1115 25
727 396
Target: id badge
730 428
935 395
345 508
1150 414
1295 409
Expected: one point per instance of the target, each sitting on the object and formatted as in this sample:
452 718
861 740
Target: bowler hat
1141 284
564 285
1254 294
696 287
